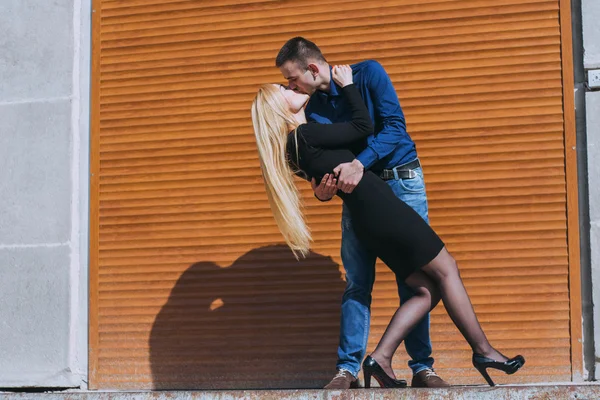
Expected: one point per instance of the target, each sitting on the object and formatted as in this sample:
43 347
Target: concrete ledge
554 392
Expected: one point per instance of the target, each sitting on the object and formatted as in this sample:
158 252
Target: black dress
392 230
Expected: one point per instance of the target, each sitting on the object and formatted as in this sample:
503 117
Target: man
391 154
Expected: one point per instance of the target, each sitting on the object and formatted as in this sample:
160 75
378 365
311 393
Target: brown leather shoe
342 380
428 379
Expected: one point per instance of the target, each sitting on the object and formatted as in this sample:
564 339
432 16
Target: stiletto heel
510 366
367 376
372 368
486 376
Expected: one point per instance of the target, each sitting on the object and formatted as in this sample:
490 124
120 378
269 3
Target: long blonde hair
272 121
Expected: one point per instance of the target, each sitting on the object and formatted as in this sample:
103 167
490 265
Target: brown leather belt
404 171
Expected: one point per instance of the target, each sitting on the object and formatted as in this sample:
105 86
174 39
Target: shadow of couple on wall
266 321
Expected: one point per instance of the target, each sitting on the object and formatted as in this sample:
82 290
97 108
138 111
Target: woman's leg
406 318
444 272
438 279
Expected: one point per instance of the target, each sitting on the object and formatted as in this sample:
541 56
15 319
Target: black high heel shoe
371 368
509 366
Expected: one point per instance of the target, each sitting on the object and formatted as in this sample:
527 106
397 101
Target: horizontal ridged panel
195 290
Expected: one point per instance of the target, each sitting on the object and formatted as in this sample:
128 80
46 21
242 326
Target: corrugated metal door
190 286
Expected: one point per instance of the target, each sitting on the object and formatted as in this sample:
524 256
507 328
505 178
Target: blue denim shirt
390 145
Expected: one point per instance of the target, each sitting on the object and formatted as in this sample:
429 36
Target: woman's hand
326 189
342 75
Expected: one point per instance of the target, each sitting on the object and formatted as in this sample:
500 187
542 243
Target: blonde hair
272 120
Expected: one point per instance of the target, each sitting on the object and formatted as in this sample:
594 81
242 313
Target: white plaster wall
44 108
590 12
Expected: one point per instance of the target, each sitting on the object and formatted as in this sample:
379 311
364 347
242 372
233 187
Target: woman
390 228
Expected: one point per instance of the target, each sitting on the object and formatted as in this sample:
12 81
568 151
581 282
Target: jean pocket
413 185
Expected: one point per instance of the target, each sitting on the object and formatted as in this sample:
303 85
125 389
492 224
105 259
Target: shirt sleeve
341 134
387 110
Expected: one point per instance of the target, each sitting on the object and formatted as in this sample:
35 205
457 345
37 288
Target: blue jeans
359 263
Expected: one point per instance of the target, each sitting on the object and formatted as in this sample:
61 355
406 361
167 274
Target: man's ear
314 70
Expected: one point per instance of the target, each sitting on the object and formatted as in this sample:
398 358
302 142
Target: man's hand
349 174
326 189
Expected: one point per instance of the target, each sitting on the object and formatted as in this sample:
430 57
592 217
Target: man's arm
387 110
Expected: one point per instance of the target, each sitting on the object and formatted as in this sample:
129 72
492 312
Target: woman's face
295 100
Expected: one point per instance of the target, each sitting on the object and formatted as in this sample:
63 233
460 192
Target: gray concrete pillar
591 60
42 265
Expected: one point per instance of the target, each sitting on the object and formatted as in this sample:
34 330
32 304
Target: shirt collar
334 89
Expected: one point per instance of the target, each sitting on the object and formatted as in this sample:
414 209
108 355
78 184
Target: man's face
299 79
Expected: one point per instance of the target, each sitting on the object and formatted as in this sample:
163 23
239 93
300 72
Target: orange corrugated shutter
190 285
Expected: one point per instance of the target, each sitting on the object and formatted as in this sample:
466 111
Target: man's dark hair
300 51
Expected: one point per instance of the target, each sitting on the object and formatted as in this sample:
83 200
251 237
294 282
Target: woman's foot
372 369
385 364
510 366
493 354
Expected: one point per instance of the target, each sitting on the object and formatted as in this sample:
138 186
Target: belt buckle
411 173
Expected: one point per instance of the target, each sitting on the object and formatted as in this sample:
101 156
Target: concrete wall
590 11
591 33
593 145
43 187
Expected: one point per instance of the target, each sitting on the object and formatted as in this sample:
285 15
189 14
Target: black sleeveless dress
392 230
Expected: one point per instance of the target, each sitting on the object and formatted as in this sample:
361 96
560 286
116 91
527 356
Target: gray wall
43 192
593 146
591 33
590 11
